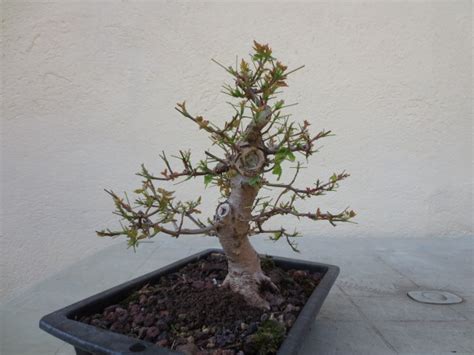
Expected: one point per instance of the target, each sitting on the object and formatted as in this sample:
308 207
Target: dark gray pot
88 339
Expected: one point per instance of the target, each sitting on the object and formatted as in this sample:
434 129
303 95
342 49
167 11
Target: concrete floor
367 311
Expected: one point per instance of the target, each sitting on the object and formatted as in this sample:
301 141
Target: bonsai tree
256 143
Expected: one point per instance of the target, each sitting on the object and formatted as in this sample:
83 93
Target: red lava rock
163 343
152 332
289 319
161 304
126 328
111 317
134 309
181 341
212 267
211 343
142 299
163 335
162 325
122 314
211 284
225 339
149 320
116 327
291 308
120 311
188 349
223 352
198 284
96 322
164 313
299 274
110 308
151 300
280 319
139 319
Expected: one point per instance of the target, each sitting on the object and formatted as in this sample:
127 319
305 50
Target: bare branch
318 189
188 171
277 234
343 216
297 142
204 124
179 231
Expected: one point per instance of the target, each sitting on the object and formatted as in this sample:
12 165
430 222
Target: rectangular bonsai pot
88 339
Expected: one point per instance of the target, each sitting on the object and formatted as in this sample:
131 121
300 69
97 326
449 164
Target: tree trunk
232 218
244 272
245 275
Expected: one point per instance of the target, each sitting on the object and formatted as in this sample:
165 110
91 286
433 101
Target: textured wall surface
88 91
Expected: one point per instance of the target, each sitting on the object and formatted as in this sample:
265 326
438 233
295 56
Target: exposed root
265 280
249 285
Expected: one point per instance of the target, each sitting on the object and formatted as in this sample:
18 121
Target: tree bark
245 275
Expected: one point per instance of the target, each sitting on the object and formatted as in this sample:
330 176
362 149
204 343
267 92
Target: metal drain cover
434 297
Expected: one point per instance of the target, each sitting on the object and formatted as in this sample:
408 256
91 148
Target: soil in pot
188 311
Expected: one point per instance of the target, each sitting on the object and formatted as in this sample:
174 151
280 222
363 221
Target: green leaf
254 181
132 233
279 105
149 201
284 153
281 155
277 170
290 156
277 235
207 179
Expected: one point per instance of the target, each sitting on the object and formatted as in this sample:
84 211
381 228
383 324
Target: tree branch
318 189
343 216
299 142
188 170
204 124
156 202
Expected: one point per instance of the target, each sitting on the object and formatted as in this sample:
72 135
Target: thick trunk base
245 275
249 286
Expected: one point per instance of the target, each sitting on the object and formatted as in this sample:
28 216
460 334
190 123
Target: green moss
268 337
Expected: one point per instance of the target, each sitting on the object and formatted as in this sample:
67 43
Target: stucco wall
89 90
